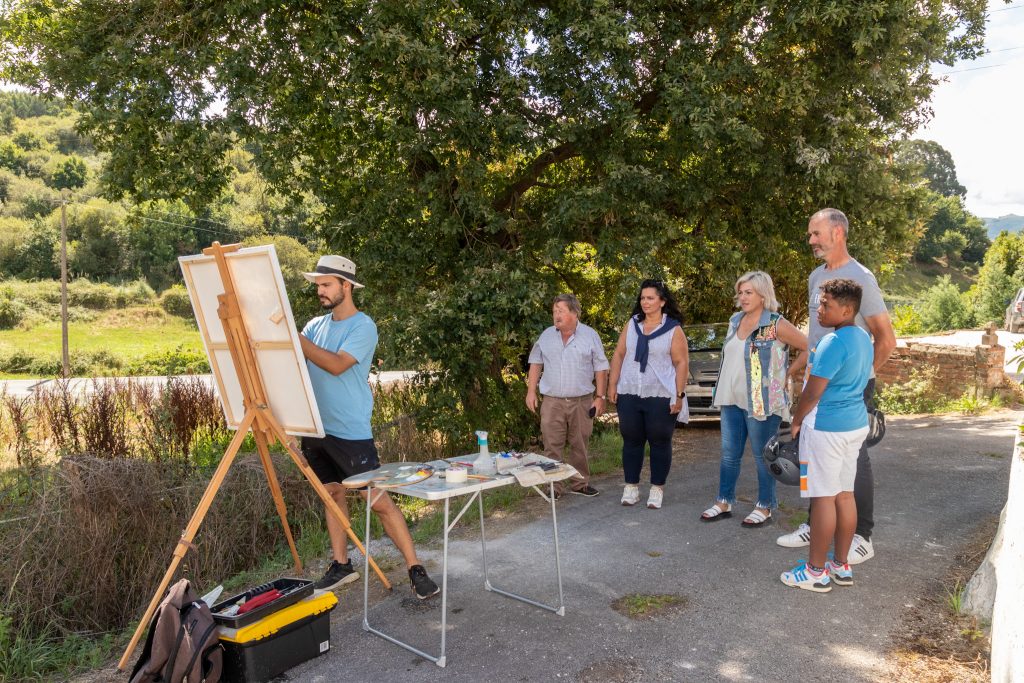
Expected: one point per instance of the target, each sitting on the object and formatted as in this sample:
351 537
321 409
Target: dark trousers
645 421
864 482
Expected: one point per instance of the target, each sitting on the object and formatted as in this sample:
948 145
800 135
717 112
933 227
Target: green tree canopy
475 158
1000 276
936 166
952 232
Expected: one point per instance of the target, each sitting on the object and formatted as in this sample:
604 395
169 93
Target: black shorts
334 460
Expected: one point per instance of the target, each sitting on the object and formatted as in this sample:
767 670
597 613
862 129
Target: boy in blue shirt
831 423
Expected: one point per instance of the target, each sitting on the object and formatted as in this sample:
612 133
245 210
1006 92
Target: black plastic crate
293 589
261 660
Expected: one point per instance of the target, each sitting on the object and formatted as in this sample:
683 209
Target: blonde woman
751 392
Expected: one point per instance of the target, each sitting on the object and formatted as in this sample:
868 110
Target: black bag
183 644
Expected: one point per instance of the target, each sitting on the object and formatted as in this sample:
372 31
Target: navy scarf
642 340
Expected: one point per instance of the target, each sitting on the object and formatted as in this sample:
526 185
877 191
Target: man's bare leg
335 531
394 525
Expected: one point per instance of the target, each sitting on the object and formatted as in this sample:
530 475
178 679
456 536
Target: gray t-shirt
871 301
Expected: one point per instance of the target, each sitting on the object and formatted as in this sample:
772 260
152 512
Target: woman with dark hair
647 383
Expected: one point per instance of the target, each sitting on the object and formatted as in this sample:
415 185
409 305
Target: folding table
436 488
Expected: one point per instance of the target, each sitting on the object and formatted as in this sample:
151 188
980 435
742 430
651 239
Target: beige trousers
566 422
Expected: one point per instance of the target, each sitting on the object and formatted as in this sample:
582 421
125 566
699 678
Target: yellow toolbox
277 642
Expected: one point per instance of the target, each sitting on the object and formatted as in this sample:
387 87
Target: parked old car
1015 313
705 344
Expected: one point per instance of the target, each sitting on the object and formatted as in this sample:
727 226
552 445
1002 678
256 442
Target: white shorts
828 461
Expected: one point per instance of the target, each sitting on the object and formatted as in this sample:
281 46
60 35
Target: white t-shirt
732 381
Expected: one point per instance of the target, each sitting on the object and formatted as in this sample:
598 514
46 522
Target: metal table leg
560 609
440 660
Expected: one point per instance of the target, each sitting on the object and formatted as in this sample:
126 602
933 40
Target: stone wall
977 370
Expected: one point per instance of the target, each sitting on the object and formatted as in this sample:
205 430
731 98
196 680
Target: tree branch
530 176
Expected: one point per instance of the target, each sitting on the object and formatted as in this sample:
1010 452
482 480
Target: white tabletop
438 488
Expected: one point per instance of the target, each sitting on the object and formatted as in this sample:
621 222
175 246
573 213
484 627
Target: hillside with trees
1010 223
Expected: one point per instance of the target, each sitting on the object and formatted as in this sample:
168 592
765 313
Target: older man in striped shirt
565 363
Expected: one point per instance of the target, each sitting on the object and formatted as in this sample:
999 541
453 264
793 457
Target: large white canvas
268 320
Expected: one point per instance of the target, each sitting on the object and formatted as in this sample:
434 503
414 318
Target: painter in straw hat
338 266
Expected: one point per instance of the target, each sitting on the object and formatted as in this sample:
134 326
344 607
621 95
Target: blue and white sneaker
801 576
841 574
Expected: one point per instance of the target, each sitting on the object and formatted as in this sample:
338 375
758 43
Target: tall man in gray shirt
572 359
827 233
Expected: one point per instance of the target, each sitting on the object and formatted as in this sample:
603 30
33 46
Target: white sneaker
630 494
861 550
654 499
797 539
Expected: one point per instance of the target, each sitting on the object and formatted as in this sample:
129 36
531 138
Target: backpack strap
198 647
169 669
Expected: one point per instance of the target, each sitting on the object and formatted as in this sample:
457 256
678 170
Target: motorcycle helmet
782 456
876 427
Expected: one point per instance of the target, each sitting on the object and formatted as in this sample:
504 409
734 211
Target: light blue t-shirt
345 400
844 358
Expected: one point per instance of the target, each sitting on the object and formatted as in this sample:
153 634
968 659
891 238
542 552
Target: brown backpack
183 644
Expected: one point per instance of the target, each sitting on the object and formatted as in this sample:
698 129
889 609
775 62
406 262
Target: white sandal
757 518
716 512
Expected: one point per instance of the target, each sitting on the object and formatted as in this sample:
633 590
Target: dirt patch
935 644
642 606
612 670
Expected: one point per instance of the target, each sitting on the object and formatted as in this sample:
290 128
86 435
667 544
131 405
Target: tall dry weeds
59 411
105 419
171 420
87 551
20 415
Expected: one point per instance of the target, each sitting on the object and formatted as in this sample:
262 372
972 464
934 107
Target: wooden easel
265 428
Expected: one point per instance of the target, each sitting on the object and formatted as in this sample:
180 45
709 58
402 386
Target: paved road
937 478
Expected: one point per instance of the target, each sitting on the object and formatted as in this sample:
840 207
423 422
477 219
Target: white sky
978 115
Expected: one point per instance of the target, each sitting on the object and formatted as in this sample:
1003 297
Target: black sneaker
588 491
422 585
338 574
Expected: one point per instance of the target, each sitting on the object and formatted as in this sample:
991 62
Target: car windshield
706 337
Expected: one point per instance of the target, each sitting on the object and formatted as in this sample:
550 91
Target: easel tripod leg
190 531
275 492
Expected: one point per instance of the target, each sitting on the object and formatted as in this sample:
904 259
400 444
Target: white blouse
660 378
732 380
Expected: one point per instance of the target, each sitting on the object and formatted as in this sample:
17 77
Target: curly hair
844 291
671 308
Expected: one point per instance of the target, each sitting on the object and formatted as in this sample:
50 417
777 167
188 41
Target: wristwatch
603 398
681 395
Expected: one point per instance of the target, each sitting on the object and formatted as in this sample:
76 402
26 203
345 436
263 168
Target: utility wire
974 68
226 228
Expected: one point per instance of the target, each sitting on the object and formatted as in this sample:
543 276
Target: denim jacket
766 360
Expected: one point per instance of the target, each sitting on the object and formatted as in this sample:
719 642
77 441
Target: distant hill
1011 223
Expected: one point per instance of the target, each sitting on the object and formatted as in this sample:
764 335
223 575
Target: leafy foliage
175 301
952 232
906 321
999 278
943 307
936 165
